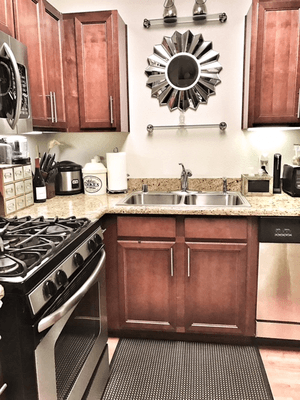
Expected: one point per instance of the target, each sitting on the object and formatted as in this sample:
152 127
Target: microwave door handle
74 300
13 122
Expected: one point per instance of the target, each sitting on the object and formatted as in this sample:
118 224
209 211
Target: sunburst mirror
183 71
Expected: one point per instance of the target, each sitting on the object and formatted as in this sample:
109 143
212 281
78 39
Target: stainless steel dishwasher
278 302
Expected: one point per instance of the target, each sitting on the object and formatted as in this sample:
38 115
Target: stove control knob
61 277
92 245
49 288
78 260
98 240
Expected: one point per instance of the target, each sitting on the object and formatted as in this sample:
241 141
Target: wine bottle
39 186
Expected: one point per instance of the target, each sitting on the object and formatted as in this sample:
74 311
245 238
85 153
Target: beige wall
207 152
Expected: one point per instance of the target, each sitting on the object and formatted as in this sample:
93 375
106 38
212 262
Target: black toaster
291 180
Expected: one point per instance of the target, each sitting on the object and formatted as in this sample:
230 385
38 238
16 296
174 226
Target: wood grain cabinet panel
202 280
39 27
272 70
215 287
96 71
7 17
147 285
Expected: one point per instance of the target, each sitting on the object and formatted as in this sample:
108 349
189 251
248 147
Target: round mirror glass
183 71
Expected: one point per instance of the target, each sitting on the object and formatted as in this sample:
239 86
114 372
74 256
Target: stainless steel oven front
72 358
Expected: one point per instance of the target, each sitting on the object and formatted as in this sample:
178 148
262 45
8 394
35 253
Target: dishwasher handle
51 319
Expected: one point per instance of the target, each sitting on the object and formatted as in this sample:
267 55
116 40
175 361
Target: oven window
7 90
76 341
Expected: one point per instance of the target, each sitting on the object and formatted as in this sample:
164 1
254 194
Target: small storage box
257 185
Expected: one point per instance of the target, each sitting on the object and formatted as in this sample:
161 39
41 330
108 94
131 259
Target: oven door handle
13 121
74 300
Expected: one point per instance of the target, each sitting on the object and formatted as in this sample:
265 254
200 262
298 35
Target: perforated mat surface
171 370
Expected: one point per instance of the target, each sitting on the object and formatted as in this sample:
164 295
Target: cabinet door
215 287
147 292
52 35
274 75
38 26
6 17
96 71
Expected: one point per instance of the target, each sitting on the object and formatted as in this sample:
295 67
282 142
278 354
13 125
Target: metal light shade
170 12
199 10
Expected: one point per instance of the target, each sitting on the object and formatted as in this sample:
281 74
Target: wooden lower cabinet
192 279
147 290
215 287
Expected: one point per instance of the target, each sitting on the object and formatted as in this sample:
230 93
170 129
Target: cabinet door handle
189 262
51 106
3 387
172 262
54 106
298 113
111 105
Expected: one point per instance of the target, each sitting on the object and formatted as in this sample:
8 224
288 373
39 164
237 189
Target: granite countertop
95 206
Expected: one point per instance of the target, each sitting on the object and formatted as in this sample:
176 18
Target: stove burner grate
25 242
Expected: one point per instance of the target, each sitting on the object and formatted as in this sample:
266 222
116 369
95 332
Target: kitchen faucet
185 174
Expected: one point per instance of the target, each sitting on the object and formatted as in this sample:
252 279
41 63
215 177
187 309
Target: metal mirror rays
183 71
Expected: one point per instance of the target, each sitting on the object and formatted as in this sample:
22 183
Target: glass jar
296 158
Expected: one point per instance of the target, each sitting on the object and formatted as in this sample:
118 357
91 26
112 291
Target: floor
282 367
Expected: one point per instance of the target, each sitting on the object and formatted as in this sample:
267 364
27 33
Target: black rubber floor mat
171 370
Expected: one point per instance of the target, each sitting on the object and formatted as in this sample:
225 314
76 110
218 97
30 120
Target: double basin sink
199 199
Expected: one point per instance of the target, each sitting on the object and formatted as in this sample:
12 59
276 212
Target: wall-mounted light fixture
199 15
199 10
170 12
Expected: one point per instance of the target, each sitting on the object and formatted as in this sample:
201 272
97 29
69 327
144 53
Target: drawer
28 186
9 191
18 173
29 199
20 188
149 227
8 175
27 171
10 206
20 202
215 228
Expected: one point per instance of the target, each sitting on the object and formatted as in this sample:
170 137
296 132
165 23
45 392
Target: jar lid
94 167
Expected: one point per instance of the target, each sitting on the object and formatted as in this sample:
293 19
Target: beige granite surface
95 206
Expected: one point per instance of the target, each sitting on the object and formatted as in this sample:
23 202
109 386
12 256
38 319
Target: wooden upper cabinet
39 27
271 69
7 17
96 71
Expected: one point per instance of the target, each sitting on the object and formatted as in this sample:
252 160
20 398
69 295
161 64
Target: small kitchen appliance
291 180
5 152
257 185
19 146
276 173
278 305
15 108
53 318
69 178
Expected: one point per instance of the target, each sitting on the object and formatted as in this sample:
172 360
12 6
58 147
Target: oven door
68 355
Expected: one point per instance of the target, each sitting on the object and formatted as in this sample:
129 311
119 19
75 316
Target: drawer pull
172 262
3 388
189 262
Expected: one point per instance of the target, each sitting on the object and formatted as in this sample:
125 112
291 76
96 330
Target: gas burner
26 242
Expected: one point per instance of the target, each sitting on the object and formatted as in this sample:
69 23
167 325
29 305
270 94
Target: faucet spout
185 174
224 185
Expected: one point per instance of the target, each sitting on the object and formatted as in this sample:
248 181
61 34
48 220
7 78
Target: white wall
207 152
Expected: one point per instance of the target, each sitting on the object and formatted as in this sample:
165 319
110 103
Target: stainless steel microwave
15 107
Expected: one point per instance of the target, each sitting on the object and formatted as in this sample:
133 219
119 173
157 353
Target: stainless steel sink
152 199
201 199
218 199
